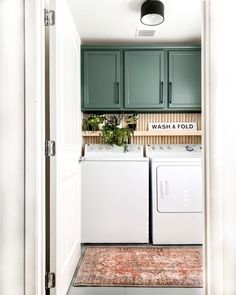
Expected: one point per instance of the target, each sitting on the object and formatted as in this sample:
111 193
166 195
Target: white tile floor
133 291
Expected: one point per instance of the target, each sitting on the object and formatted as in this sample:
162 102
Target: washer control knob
189 148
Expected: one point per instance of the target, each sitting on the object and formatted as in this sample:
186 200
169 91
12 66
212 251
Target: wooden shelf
168 133
152 133
91 133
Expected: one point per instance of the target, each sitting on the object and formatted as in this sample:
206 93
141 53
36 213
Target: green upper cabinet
138 78
102 89
184 83
143 79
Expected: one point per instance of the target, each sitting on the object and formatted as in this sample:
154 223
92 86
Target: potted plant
102 120
115 120
132 121
95 122
85 125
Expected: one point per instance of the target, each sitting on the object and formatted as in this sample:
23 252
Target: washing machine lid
179 188
98 151
173 150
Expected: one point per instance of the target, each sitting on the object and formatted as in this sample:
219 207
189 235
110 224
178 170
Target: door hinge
81 160
49 17
50 148
50 280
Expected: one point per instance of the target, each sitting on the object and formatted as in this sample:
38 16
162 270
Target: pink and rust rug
141 267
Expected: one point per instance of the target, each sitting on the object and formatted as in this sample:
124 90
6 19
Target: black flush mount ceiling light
152 12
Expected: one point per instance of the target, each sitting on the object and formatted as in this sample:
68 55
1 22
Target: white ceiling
116 21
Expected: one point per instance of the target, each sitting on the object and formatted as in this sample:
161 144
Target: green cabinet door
102 80
184 85
144 80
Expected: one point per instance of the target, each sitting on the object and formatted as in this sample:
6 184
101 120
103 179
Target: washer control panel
101 150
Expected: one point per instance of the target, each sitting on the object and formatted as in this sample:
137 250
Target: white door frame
220 145
205 137
34 143
34 148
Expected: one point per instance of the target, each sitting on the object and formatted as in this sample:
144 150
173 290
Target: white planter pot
100 126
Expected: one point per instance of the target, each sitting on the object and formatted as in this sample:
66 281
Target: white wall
11 147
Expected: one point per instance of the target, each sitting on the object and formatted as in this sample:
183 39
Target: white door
179 188
64 130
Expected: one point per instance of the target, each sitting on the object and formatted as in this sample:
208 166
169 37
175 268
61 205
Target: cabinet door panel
184 89
144 79
102 77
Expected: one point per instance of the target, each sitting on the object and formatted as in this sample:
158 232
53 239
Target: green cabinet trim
144 79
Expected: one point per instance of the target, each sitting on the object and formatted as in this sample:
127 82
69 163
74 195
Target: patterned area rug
141 267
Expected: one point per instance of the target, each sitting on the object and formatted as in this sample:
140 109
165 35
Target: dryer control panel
173 150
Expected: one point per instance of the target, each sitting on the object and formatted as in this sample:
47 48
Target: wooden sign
180 126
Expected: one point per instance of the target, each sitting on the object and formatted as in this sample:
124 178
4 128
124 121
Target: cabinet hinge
50 148
49 17
50 280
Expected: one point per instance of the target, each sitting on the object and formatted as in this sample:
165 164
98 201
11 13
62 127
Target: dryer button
189 148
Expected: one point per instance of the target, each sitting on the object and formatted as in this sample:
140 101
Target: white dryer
115 194
176 193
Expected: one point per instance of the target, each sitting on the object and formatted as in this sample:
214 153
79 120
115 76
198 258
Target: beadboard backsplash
145 119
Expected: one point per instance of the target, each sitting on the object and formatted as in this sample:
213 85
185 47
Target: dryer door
179 188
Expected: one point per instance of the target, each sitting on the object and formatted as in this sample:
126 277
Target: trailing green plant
122 136
112 134
108 134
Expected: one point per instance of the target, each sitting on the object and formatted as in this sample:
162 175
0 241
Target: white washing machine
115 194
176 193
